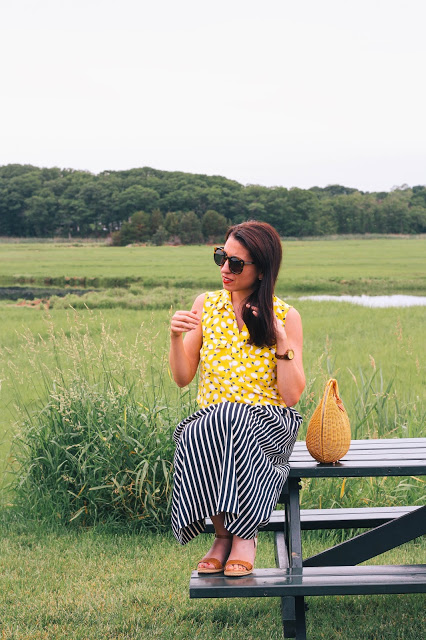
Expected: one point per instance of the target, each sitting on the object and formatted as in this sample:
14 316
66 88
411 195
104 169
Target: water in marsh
373 301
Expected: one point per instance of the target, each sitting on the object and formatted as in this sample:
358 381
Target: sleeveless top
231 369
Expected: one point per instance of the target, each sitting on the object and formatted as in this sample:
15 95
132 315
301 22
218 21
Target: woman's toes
219 550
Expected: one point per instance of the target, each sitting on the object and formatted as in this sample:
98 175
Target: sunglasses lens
219 257
236 265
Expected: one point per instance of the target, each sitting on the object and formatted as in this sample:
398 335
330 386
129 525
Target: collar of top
224 300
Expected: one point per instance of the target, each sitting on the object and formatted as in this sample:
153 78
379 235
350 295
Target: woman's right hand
184 354
184 321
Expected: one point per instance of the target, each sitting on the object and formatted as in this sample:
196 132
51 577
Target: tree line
150 205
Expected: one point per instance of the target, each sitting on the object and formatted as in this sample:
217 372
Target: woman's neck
238 297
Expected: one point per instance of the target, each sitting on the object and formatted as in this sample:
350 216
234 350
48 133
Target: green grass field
58 584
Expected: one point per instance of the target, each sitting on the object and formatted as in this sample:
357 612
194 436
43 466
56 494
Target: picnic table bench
334 571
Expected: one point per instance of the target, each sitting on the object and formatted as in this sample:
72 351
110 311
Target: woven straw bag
329 433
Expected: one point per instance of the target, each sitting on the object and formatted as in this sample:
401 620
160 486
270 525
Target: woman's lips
226 280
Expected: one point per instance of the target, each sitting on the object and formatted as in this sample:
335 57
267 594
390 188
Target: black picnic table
334 571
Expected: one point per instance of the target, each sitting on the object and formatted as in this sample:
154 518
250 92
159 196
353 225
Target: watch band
288 355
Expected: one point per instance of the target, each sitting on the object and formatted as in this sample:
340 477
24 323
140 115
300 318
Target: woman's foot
215 558
242 556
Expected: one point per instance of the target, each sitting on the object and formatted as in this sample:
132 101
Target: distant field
364 265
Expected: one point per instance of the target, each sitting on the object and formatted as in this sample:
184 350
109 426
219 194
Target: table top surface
383 457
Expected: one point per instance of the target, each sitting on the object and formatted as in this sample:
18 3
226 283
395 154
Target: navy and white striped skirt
232 458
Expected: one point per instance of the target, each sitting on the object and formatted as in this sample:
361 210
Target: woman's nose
225 267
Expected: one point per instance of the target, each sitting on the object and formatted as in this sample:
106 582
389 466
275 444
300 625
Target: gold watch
288 355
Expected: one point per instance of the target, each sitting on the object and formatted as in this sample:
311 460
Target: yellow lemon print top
230 368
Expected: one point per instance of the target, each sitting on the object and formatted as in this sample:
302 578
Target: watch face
290 354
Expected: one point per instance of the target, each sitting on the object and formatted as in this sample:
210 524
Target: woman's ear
260 276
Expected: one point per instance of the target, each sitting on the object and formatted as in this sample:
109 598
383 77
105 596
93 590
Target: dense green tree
213 226
49 201
396 212
137 198
302 212
156 221
171 223
137 229
39 214
190 228
160 236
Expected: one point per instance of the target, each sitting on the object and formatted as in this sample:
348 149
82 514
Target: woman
231 457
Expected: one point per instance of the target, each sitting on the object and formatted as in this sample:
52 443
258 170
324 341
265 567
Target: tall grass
377 409
97 445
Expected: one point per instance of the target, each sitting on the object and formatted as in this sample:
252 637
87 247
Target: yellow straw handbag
329 432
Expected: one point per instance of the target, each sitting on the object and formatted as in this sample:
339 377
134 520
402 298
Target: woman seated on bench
231 457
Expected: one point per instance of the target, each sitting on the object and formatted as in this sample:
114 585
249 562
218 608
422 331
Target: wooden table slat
353 456
377 442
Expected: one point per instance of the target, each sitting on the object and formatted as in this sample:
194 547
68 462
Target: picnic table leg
293 608
288 609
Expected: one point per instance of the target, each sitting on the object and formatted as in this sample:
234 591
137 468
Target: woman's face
246 281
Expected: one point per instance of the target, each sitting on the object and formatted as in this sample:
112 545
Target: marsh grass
97 447
135 297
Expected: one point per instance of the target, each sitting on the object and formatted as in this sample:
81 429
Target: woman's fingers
280 330
254 310
184 321
279 327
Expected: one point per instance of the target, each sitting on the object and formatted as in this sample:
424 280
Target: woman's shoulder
281 307
199 302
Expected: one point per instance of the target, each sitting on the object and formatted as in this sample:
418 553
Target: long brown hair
264 245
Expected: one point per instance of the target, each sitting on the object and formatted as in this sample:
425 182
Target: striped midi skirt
232 458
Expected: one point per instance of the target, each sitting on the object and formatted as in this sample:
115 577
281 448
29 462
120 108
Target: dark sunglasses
236 265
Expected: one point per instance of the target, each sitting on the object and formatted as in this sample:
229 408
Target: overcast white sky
272 92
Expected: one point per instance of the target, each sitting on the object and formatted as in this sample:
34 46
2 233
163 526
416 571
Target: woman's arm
184 353
290 374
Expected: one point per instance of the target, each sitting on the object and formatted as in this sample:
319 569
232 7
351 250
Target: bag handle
334 387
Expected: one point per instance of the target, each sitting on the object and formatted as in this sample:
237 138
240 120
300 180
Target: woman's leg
221 545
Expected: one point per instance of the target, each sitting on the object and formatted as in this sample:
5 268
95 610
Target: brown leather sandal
218 567
238 572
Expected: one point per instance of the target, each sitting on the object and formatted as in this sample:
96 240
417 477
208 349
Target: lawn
93 585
